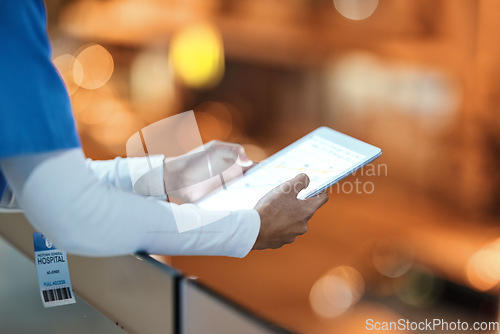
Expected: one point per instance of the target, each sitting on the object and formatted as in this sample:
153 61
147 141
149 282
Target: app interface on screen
320 159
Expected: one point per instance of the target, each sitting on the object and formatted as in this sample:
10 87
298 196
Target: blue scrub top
35 111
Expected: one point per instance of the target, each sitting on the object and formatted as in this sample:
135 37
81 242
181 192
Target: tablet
325 155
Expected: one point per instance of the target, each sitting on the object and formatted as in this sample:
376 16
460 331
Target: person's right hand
282 216
195 174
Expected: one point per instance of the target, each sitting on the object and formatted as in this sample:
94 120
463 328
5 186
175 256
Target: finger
243 160
301 182
295 185
317 201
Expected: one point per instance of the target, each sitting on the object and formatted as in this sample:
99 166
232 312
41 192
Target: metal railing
136 293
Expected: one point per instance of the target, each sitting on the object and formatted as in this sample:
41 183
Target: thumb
297 184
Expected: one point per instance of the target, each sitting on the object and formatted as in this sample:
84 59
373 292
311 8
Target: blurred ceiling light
197 55
152 84
356 9
71 71
336 291
94 107
392 259
97 64
483 270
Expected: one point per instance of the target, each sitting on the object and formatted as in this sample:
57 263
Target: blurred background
416 234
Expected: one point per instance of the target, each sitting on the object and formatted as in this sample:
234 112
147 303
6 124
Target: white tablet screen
322 160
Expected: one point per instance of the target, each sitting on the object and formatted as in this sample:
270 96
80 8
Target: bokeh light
97 64
214 120
421 288
356 9
392 259
255 152
483 270
94 106
80 100
336 291
114 132
152 84
71 71
197 55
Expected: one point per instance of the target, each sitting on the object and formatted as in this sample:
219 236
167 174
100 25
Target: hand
199 172
282 216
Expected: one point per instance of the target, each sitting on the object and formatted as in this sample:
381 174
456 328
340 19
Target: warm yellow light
197 55
97 64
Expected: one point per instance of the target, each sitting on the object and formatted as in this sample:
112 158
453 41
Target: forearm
114 172
63 199
141 175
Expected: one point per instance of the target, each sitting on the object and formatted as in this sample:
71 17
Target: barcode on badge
58 294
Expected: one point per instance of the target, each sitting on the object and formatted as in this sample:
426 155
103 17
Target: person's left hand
195 174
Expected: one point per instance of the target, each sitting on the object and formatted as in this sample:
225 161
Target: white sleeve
63 199
148 181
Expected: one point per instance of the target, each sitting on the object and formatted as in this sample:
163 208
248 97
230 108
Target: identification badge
53 274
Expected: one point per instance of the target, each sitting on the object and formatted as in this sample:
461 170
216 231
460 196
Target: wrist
149 178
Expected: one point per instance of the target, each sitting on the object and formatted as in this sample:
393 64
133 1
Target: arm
62 199
116 172
113 172
187 177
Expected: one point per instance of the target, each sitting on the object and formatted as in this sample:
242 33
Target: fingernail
244 163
